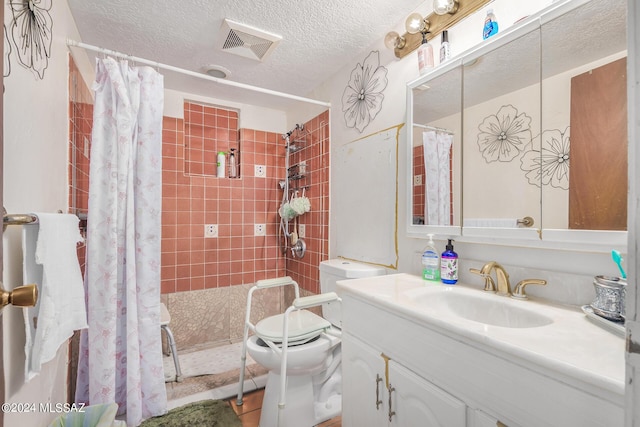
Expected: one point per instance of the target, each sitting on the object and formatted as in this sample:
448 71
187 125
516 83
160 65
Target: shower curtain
121 353
437 206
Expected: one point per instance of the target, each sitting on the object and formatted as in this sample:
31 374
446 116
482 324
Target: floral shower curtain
437 205
120 353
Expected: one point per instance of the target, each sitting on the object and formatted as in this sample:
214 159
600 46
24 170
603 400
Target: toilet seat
303 326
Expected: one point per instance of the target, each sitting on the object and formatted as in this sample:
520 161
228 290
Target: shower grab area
294 200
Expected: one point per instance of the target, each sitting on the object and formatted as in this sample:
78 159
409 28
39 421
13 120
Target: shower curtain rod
194 74
434 128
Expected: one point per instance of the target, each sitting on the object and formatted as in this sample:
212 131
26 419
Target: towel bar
17 219
22 219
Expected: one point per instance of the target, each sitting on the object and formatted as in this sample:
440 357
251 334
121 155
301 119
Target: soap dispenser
449 265
430 261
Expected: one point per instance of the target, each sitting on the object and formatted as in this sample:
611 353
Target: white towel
51 261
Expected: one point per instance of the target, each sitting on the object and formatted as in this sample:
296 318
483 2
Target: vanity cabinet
381 392
400 359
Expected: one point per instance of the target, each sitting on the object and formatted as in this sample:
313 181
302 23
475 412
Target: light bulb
394 40
415 24
442 7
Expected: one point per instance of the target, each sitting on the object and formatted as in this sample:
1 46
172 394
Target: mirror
584 119
436 154
501 121
514 155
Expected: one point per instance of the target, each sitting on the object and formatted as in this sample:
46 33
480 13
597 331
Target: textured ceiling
318 38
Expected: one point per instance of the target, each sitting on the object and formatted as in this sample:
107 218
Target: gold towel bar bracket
16 219
22 219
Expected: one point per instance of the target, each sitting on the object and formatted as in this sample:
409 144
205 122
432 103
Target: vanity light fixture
446 14
443 7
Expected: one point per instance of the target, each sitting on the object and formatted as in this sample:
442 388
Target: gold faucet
503 287
489 284
519 292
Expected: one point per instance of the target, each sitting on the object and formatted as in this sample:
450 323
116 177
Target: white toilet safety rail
298 304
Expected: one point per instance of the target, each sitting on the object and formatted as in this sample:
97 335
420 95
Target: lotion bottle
445 51
449 265
220 171
430 261
425 55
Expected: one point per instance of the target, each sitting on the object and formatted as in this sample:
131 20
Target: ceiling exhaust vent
246 41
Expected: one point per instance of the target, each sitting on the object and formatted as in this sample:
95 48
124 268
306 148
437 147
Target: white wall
35 180
569 272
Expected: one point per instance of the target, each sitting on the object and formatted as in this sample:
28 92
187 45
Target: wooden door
598 168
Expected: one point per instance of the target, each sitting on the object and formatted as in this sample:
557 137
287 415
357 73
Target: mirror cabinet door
436 150
501 122
583 144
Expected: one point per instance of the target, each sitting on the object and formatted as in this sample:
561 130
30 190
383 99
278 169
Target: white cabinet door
364 394
366 400
418 403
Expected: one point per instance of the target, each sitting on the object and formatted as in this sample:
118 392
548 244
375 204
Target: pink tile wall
189 260
316 155
193 196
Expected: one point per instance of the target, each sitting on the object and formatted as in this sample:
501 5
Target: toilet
314 380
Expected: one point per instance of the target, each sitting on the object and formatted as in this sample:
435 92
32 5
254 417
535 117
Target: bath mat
210 361
210 413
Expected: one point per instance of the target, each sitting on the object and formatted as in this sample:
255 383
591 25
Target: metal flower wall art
362 98
31 28
549 165
504 135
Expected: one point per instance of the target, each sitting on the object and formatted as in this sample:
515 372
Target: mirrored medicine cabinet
525 135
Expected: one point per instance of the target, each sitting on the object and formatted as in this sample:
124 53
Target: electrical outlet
211 230
260 230
417 180
301 230
260 171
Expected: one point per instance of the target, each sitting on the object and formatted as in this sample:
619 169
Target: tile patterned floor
249 412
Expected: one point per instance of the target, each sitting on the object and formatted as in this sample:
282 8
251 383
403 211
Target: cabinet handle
391 413
378 401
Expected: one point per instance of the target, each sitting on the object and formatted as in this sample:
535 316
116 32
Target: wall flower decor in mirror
549 164
362 98
504 135
31 27
6 70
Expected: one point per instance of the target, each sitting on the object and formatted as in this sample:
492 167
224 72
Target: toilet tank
340 269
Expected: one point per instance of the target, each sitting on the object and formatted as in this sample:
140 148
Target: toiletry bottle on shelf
490 25
430 261
425 55
449 265
220 172
445 51
233 165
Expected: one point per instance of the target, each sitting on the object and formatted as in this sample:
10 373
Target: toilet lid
303 325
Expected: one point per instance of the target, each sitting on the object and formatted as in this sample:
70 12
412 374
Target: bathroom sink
477 306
